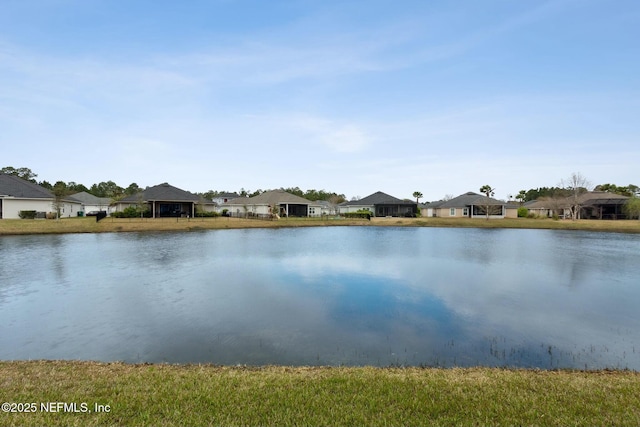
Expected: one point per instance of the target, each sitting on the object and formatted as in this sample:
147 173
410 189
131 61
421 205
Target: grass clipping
176 395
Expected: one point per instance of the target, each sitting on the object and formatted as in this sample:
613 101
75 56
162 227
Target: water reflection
354 296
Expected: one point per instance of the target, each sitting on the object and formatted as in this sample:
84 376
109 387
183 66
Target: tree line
113 191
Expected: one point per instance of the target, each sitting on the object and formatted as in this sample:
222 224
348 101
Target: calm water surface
325 296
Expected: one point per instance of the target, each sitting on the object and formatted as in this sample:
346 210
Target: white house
17 194
92 203
285 204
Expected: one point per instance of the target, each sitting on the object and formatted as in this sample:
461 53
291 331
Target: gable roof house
381 204
593 205
163 200
474 205
17 194
428 209
262 205
223 198
93 203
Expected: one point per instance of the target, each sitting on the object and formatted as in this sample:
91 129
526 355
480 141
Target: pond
352 296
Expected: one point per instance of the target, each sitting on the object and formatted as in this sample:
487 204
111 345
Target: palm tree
417 195
489 192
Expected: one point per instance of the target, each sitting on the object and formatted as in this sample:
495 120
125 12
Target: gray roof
468 199
163 192
90 199
11 185
590 198
271 197
378 198
432 205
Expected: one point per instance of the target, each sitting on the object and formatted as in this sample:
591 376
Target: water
325 296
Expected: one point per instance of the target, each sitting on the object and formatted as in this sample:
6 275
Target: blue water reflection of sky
340 295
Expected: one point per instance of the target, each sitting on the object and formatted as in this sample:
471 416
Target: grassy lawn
89 225
168 395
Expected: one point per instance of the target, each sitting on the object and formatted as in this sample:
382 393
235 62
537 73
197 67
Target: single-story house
17 194
593 205
223 198
381 204
163 200
273 202
474 205
92 203
428 209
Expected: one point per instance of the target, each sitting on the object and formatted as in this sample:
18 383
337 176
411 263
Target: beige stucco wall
511 213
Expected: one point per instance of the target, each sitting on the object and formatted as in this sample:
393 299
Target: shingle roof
378 198
270 198
468 199
163 192
90 199
11 185
590 198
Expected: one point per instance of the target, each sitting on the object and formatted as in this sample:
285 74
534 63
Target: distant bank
107 225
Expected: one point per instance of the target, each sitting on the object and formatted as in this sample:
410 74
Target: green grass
89 225
168 395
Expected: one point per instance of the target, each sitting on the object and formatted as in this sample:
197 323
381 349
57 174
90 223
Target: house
593 205
92 203
473 205
428 209
223 198
163 200
381 204
327 208
17 194
273 202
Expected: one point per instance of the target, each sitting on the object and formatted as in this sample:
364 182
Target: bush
131 212
523 212
27 214
362 213
207 214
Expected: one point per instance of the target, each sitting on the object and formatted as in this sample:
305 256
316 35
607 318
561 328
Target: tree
418 195
488 191
107 189
521 197
132 189
576 185
24 173
632 207
60 191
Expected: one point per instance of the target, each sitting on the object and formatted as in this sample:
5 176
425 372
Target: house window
465 212
452 212
312 211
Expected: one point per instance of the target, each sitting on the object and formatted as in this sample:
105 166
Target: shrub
207 214
523 212
27 214
131 212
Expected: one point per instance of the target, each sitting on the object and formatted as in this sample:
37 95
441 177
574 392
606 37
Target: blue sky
347 96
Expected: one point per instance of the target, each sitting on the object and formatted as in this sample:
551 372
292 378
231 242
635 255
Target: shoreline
97 393
115 225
